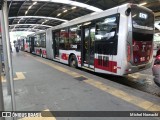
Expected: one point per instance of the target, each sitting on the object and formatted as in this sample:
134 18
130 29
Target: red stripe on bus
110 66
44 52
37 51
79 59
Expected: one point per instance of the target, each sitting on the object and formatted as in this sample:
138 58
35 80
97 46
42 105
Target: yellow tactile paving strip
20 76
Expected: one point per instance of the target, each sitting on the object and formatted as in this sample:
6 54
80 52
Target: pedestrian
11 47
158 52
17 46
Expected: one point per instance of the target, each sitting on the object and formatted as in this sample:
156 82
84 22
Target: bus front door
32 44
88 47
56 44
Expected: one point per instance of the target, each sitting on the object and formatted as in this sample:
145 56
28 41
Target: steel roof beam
37 11
21 7
26 29
31 25
41 17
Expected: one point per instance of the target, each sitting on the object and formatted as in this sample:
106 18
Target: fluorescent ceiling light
87 23
34 3
26 12
65 11
92 8
59 14
74 7
29 7
134 15
144 3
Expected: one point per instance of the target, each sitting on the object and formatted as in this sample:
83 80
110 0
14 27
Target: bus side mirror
128 11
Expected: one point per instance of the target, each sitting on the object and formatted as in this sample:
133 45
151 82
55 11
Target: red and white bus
38 43
116 41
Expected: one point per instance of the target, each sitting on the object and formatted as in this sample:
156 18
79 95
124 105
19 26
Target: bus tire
73 61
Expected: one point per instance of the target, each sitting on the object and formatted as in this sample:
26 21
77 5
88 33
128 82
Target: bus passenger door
56 44
32 45
88 46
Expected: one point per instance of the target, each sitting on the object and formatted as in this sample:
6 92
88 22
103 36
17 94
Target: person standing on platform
17 46
158 51
11 47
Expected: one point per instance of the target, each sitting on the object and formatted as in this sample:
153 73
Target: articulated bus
116 41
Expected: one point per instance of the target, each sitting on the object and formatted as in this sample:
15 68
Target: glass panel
86 47
106 37
56 44
92 36
37 41
75 38
64 41
106 28
43 40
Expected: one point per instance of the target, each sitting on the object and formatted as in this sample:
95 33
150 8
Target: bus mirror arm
128 11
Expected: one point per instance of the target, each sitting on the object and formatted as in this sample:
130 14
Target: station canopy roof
35 15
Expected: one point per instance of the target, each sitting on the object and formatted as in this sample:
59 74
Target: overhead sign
143 15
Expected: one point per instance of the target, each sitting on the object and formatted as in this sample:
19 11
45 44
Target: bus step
90 69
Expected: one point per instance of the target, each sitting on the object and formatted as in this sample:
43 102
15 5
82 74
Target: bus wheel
73 61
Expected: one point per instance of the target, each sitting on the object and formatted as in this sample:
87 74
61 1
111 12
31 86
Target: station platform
41 84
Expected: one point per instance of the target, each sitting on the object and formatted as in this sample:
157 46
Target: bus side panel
49 43
37 50
124 24
64 56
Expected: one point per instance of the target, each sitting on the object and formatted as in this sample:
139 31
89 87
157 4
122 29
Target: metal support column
8 51
5 55
1 90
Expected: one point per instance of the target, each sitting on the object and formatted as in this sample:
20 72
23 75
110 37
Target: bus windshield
142 18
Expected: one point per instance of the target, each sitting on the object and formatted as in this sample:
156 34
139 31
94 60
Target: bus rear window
142 18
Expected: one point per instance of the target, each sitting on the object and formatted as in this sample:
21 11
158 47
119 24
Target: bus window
75 38
38 41
64 41
43 40
106 36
